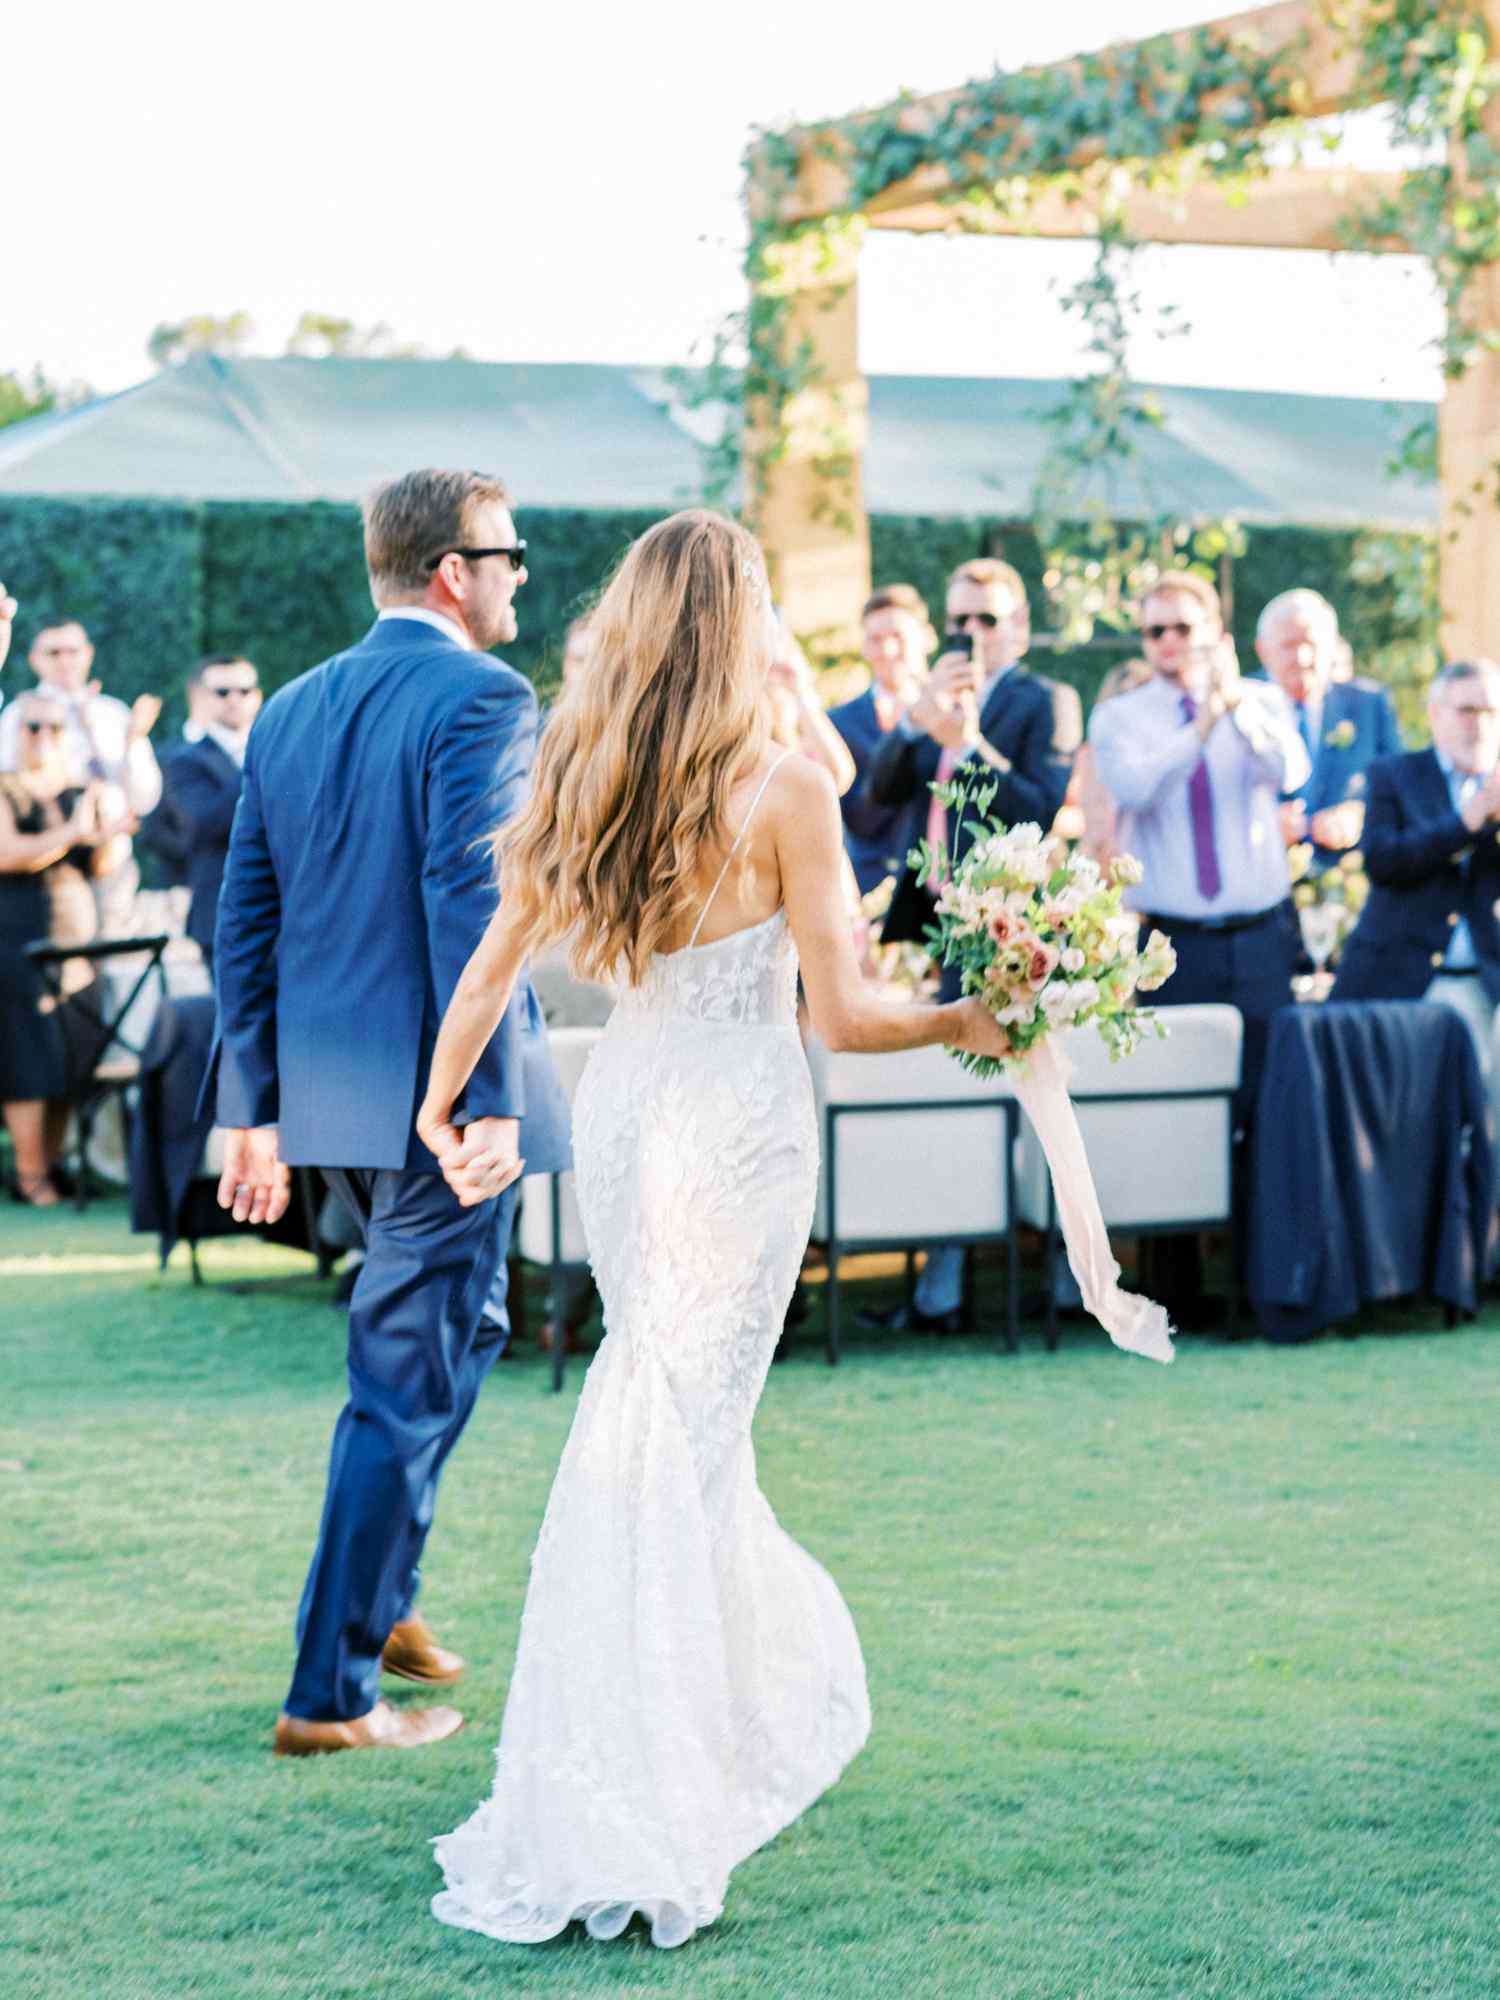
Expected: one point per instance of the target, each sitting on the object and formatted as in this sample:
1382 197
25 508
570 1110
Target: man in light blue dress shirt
1197 759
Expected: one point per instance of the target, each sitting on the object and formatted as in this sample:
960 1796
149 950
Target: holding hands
479 1160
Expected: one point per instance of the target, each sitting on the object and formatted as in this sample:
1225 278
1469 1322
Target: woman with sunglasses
52 845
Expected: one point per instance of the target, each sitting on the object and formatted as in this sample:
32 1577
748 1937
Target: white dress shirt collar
435 619
231 741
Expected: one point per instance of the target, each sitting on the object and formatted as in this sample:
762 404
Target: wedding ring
243 1188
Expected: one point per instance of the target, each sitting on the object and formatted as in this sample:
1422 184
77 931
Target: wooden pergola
820 552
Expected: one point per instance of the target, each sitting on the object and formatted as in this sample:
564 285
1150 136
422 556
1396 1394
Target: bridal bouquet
1041 938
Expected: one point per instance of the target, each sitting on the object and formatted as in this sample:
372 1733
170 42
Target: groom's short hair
414 519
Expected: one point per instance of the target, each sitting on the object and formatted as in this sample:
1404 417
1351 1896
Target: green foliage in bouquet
1038 932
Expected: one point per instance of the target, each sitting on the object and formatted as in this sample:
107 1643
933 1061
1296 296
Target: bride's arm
479 1001
847 1010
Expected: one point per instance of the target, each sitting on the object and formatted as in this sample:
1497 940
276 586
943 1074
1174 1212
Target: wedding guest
797 720
1345 724
897 640
202 780
1089 814
980 711
1432 852
53 842
1198 759
106 743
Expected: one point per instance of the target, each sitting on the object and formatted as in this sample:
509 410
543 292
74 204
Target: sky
561 183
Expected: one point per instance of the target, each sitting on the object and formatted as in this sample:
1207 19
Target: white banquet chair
914 1151
1158 1128
550 1229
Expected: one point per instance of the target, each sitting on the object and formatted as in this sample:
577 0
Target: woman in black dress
52 844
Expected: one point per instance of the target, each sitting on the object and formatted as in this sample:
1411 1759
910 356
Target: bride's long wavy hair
639 757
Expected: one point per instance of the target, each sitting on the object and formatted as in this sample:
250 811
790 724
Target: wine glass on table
1322 925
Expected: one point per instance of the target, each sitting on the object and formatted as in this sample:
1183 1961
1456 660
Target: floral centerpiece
1039 935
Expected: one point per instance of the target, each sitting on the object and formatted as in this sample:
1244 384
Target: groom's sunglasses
516 552
988 619
1176 626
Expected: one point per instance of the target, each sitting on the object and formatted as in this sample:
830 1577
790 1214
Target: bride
688 1679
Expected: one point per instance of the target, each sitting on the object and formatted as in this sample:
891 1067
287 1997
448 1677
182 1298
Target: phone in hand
959 642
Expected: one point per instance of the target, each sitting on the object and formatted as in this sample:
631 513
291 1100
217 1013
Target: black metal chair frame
839 1246
49 960
1177 1227
557 1269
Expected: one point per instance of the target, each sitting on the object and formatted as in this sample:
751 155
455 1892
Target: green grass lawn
1185 1681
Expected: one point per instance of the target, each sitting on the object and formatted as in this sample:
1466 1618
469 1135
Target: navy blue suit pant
420 1344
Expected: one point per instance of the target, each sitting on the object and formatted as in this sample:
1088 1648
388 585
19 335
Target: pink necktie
937 812
1201 814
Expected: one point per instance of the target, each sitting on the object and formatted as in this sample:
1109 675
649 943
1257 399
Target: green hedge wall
159 582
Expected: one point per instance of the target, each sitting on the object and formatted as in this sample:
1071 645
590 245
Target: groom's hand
485 1161
254 1184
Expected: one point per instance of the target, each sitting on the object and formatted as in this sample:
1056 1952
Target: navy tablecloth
168 1193
1372 1171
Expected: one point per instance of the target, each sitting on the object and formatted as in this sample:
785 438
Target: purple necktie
1201 813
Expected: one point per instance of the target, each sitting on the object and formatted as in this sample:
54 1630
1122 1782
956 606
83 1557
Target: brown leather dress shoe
384 1728
412 1652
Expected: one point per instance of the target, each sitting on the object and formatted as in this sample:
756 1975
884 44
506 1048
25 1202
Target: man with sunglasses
358 883
981 714
201 782
1197 760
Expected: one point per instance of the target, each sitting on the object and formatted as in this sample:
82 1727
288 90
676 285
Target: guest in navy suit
1345 725
898 640
1432 852
201 783
357 885
982 714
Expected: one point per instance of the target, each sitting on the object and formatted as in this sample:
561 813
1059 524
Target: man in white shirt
108 743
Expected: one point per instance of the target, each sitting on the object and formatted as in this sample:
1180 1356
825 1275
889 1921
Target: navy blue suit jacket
1358 727
200 790
1035 723
877 837
357 885
1427 871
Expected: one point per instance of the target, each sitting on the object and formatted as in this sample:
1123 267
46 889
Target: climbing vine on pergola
1183 138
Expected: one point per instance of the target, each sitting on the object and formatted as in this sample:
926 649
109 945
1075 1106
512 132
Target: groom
358 882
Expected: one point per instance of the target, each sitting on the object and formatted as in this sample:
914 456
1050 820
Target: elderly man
983 714
1432 850
1345 724
897 640
107 743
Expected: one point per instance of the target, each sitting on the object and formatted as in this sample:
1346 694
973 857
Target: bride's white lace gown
688 1679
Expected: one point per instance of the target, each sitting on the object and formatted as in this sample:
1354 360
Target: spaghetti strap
744 828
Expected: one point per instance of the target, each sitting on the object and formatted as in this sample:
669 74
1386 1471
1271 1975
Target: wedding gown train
688 1679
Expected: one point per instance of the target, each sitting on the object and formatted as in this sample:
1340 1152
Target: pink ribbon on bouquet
1133 1322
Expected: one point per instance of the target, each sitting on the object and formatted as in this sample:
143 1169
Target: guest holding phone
55 839
981 716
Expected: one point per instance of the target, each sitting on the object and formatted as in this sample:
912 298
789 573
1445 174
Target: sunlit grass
1184 1680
